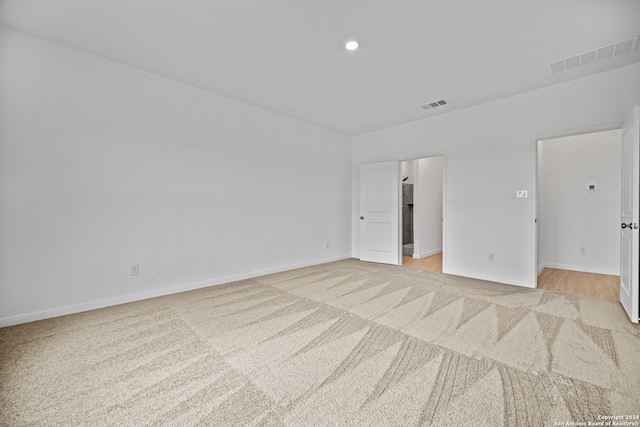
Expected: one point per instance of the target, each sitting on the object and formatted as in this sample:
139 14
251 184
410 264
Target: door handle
631 225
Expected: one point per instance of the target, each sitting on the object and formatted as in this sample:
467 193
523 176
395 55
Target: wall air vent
434 104
605 52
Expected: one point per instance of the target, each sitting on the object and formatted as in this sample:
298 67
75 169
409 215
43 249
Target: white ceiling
288 56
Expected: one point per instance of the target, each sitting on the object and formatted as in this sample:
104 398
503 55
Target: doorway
578 210
422 214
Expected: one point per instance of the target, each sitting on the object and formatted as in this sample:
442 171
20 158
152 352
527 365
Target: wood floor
576 282
431 263
572 282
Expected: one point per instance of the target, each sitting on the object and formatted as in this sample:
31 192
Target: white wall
573 217
427 197
103 166
407 171
490 153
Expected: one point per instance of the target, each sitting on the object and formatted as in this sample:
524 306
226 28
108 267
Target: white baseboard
426 254
108 302
611 272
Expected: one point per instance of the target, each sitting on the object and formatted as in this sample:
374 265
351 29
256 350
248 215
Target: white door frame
534 208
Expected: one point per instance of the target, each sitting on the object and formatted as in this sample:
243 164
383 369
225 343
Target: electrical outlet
134 270
492 256
521 194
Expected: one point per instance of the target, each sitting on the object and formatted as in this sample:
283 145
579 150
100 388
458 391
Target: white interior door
379 212
629 252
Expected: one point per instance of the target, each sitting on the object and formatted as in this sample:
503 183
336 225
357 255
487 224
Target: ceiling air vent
605 52
434 104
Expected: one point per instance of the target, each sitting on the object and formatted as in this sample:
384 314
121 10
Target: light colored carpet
345 343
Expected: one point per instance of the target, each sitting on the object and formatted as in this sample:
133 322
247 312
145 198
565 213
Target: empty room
201 213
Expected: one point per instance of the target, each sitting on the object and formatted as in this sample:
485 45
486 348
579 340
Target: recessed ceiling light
352 45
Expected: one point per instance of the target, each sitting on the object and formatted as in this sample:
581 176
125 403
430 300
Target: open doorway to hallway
579 192
422 213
